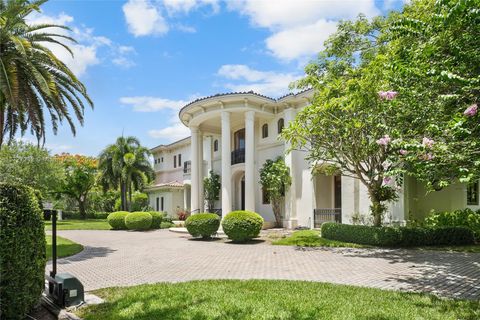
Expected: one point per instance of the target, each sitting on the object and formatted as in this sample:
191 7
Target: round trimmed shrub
241 226
157 218
22 251
138 220
117 220
203 224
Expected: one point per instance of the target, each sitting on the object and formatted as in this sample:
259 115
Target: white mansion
234 134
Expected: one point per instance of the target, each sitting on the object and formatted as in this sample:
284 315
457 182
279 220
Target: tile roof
172 184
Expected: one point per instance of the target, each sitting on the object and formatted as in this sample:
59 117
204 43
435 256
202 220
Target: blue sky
142 60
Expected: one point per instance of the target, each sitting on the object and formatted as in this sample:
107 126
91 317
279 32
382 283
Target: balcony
238 156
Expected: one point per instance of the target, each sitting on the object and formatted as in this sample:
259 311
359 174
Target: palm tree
33 81
125 165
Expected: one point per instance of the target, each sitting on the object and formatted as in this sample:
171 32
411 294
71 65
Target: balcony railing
326 215
187 167
238 156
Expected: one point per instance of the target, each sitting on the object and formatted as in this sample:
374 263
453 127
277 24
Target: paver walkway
123 258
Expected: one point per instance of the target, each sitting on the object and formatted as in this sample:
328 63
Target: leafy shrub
167 218
117 220
397 237
182 215
203 224
22 251
467 218
241 226
100 215
157 218
166 225
138 220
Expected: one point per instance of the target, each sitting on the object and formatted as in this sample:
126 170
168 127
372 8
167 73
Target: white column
290 197
250 189
226 165
201 203
194 174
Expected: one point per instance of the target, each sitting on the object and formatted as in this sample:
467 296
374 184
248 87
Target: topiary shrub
138 220
117 220
203 224
241 226
397 237
22 251
157 218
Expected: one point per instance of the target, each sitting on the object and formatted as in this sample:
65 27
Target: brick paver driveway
122 258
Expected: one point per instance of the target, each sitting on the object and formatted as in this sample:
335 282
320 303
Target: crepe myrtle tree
211 190
275 180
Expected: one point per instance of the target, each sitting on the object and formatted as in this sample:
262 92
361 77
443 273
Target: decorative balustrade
326 215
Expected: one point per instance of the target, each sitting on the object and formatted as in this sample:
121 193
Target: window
215 146
174 161
162 202
281 124
155 161
162 159
472 194
265 131
239 139
179 160
157 206
265 199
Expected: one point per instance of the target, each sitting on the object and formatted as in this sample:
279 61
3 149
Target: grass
87 224
65 247
271 299
311 238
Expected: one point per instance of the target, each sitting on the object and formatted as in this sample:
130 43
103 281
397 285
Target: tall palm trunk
2 122
123 195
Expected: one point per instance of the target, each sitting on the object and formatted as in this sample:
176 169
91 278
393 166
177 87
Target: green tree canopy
34 84
211 190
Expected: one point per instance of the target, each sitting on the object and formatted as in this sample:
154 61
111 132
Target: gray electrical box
69 289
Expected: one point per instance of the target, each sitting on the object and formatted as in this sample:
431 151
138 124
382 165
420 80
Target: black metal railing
326 215
238 156
187 167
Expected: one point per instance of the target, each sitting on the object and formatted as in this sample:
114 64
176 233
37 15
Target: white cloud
299 27
185 6
301 41
152 104
185 28
264 82
175 131
86 50
143 18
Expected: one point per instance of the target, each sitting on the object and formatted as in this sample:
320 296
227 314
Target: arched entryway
238 180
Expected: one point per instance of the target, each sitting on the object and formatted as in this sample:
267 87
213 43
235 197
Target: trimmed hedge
241 226
138 220
117 220
157 219
397 237
203 224
22 251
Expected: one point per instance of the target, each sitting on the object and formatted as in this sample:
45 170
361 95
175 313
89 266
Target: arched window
281 124
265 131
215 146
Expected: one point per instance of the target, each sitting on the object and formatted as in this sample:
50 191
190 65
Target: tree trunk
2 123
377 208
129 196
82 207
277 212
123 195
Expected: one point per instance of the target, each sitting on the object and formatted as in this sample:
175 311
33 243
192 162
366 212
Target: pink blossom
427 142
384 141
403 152
471 111
387 180
387 95
428 156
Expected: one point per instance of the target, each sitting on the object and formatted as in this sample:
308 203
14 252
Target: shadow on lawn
447 274
87 253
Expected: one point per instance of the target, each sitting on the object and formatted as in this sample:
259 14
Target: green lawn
270 299
87 224
311 238
65 247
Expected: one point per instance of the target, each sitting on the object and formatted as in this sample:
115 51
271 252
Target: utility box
68 290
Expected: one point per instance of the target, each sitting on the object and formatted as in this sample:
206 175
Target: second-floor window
215 146
174 161
281 124
265 131
179 160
